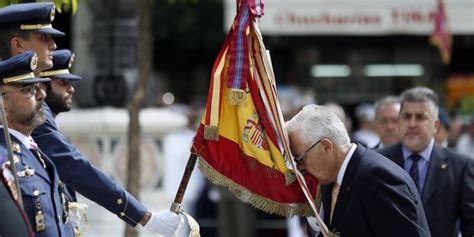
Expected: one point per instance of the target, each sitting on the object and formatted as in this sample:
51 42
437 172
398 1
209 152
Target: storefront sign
354 17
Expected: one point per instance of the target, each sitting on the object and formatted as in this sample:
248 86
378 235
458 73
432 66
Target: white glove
163 223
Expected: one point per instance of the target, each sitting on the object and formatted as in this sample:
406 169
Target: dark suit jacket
77 172
449 190
377 198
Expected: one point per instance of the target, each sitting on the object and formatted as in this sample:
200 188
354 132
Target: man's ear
327 145
437 124
16 45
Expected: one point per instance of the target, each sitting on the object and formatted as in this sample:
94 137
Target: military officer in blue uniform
42 194
72 166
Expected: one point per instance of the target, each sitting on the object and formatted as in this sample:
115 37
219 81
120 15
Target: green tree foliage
61 5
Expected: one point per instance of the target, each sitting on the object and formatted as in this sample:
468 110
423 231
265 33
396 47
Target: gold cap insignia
52 13
34 62
71 60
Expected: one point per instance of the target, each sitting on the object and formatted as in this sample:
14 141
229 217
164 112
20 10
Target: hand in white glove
163 223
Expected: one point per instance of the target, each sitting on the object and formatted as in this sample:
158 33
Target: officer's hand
163 223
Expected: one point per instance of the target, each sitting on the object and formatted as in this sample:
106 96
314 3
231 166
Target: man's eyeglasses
29 90
300 159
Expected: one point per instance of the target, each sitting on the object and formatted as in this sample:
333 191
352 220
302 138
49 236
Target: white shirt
343 168
340 175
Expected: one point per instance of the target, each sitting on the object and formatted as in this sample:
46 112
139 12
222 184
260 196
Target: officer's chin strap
79 226
193 225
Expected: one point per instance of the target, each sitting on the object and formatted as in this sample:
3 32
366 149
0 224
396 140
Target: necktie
34 149
414 171
334 194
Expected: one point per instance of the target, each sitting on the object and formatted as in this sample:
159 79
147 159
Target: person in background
465 144
366 135
442 133
386 120
444 178
176 151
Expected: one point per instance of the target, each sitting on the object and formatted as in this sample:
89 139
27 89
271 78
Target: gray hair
314 122
388 100
421 94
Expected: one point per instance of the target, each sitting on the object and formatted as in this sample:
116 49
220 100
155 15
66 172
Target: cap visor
69 77
31 80
51 31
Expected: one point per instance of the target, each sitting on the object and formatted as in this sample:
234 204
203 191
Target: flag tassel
211 133
237 97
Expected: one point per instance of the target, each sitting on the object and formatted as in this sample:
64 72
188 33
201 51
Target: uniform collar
26 141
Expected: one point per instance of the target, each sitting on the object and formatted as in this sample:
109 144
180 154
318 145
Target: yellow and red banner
242 141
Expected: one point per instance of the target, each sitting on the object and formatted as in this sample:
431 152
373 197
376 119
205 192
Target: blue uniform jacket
40 190
77 172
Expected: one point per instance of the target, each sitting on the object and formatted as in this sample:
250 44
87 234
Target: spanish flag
242 142
441 36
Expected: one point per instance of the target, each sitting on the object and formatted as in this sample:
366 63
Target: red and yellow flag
242 141
441 36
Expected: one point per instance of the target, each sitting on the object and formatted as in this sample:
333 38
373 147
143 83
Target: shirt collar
26 141
425 153
343 168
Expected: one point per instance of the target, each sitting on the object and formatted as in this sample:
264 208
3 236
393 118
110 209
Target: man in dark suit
364 194
445 179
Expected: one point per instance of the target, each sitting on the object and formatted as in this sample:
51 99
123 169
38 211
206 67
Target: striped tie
414 171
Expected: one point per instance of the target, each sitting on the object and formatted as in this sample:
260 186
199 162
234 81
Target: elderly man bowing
364 194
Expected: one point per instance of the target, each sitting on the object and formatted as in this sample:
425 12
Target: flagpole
176 205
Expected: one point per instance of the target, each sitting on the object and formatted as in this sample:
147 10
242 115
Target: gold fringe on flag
245 195
237 97
211 133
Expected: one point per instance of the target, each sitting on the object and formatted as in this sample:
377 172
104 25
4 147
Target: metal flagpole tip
176 208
